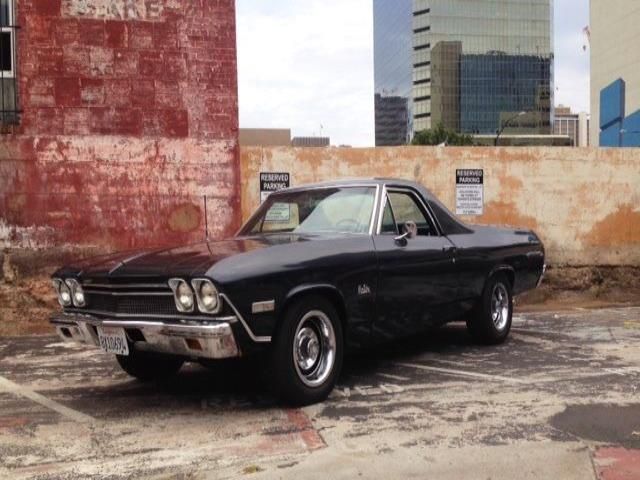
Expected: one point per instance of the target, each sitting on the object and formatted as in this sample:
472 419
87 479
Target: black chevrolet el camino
315 271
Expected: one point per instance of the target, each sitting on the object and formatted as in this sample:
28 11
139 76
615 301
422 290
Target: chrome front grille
136 300
131 304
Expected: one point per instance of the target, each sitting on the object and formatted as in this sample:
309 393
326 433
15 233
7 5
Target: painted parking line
10 387
463 373
552 376
533 331
398 378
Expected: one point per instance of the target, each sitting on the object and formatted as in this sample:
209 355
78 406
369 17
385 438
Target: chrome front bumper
214 339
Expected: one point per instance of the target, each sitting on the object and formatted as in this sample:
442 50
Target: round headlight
63 291
207 295
183 295
78 298
77 293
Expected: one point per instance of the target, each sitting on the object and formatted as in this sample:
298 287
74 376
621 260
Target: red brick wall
130 120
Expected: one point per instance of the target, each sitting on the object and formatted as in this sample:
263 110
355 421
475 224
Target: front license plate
113 340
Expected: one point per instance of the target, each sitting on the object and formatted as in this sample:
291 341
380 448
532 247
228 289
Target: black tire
284 375
149 366
484 326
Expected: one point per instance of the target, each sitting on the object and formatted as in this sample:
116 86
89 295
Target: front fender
311 287
332 292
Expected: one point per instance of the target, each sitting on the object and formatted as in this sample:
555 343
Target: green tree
439 135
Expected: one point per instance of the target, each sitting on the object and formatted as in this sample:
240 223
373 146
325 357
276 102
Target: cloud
306 64
571 60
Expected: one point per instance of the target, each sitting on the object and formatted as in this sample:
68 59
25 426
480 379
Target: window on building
8 88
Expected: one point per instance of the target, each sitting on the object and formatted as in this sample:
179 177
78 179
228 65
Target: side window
388 226
406 208
8 92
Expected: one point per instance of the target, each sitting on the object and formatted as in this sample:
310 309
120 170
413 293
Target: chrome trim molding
195 284
124 285
258 339
128 294
75 287
174 284
321 187
383 204
324 187
544 269
176 316
413 193
213 341
374 210
57 284
261 307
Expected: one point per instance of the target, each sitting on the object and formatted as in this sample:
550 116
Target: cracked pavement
560 399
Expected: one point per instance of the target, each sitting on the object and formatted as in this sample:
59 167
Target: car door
416 276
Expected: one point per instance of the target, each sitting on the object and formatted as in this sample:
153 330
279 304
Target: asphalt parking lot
559 400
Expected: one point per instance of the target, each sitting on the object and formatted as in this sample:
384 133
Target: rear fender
507 270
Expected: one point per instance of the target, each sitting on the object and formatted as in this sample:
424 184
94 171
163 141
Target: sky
308 65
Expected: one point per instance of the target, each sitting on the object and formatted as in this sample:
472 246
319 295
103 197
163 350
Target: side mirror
410 230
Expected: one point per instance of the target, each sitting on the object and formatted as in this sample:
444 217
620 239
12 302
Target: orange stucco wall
583 202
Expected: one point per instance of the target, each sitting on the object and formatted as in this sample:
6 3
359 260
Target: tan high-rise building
615 53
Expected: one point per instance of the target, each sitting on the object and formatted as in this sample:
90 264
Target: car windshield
319 210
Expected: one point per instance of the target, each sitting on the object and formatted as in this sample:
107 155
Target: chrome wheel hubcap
314 348
500 306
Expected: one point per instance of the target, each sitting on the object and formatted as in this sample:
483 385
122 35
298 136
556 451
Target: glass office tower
476 64
392 46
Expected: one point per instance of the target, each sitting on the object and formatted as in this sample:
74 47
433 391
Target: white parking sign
469 192
272 182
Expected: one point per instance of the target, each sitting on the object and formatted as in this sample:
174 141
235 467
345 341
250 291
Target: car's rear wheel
491 321
307 352
149 366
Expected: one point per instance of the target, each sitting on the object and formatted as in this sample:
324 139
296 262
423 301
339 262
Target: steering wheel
348 222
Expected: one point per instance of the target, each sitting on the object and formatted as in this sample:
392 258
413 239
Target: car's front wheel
491 322
149 366
307 352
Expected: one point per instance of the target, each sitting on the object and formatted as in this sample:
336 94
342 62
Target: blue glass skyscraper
475 65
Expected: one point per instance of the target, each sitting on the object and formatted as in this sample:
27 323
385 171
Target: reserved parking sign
272 182
469 192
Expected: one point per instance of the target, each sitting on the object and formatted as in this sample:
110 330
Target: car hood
187 261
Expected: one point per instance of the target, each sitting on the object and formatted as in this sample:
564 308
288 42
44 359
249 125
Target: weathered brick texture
130 120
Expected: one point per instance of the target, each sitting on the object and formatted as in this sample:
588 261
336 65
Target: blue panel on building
610 137
630 135
612 104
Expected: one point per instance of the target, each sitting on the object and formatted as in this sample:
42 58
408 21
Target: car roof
439 210
357 182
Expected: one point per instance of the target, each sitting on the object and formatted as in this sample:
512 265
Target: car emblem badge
364 289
